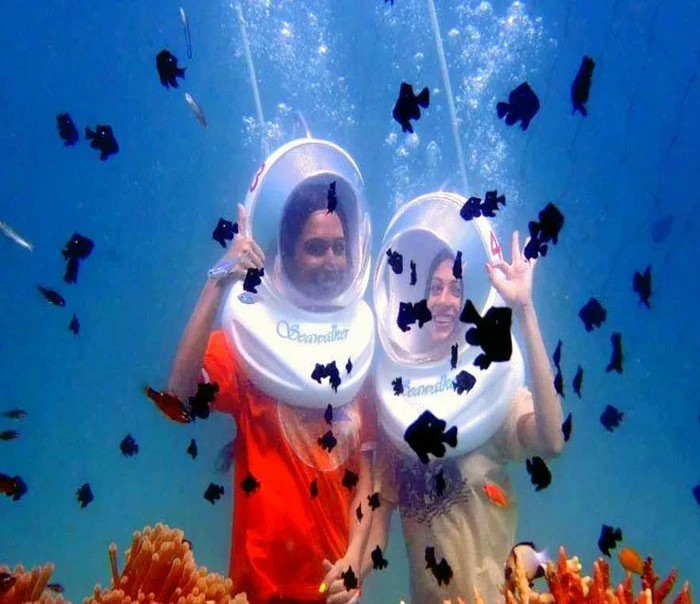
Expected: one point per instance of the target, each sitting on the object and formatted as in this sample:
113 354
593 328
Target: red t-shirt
280 534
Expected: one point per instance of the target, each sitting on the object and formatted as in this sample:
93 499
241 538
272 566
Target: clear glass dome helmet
429 231
287 201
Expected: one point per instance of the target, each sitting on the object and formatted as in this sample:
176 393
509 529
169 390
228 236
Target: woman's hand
244 251
513 281
335 591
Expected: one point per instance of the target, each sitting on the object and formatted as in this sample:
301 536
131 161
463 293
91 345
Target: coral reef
160 568
19 586
567 586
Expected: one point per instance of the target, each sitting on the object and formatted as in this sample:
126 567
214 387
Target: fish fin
224 459
470 314
89 134
501 109
583 110
424 98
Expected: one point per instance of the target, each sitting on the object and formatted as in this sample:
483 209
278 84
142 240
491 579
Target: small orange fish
495 494
630 560
9 435
170 405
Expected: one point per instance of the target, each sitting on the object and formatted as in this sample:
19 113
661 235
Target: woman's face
444 302
321 255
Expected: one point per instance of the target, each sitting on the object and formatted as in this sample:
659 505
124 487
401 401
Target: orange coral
160 568
567 586
29 587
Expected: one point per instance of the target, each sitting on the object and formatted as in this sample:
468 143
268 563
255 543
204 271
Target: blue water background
151 208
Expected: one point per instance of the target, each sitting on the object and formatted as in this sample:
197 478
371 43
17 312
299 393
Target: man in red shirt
294 535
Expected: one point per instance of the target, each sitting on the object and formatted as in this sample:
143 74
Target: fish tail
451 436
181 72
502 109
424 98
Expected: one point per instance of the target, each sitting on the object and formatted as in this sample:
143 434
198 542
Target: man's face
321 256
444 302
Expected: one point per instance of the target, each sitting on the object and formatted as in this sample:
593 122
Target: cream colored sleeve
506 438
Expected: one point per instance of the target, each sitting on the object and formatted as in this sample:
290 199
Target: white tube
253 78
450 99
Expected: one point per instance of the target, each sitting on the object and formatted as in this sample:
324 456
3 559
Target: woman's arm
541 431
193 344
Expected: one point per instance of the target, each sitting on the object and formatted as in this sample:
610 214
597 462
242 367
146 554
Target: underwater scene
341 301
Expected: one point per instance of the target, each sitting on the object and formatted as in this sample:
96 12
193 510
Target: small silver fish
10 233
186 27
196 109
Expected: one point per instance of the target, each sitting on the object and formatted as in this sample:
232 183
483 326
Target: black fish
611 418
7 580
76 249
608 539
464 382
348 366
566 428
641 284
250 484
592 314
57 588
440 484
616 357
492 333
192 449
398 386
349 579
544 231
358 513
557 355
52 296
581 86
224 231
522 106
373 501
15 414
441 571
168 71
457 266
427 435
103 140
327 442
408 105
9 435
414 277
67 130
696 494
213 493
328 414
492 200
13 486
253 278
661 229
474 207
395 261
471 209
577 381
410 312
200 403
332 198
74 325
85 496
559 383
454 350
313 488
128 446
378 560
329 371
392 2
540 476
350 479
